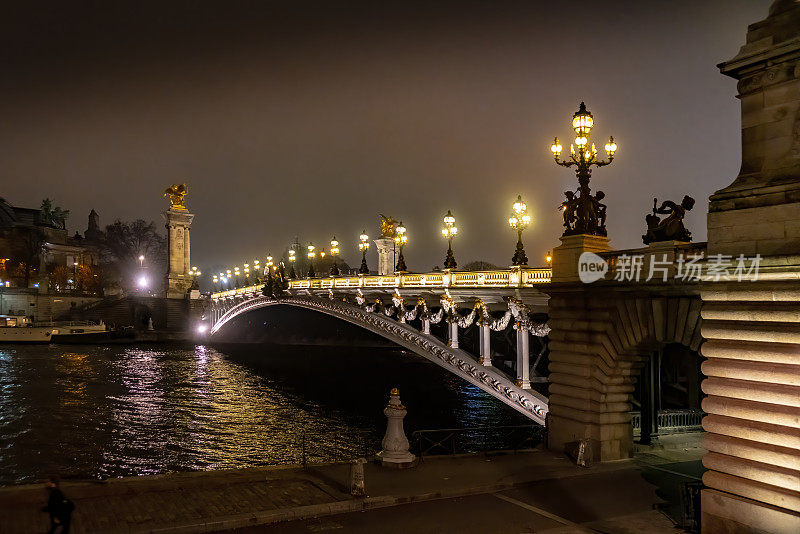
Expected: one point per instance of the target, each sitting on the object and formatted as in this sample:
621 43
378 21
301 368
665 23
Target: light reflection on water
91 411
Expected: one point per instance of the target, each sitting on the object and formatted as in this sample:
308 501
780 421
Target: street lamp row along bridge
516 277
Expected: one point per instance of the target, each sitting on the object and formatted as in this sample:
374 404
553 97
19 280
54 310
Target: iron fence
476 439
671 421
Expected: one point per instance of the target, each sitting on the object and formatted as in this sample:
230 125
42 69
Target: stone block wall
753 404
600 338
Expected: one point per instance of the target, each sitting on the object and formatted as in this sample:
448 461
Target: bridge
613 338
402 307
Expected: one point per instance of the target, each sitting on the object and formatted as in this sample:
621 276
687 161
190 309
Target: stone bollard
395 444
357 477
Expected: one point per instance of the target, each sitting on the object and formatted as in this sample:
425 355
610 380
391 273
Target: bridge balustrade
515 277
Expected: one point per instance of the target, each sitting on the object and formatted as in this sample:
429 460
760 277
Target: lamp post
236 275
363 246
584 214
311 254
549 258
334 253
292 258
194 273
257 270
141 261
449 231
246 274
400 238
228 278
519 220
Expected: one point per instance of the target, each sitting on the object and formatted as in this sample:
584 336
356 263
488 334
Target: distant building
36 249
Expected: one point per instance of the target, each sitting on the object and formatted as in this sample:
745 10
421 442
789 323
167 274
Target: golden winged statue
388 225
176 195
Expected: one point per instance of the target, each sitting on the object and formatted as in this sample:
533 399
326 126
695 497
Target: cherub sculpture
568 210
176 195
671 228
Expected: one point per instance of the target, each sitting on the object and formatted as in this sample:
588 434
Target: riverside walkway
285 496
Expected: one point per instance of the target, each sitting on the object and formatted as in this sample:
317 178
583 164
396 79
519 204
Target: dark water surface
93 411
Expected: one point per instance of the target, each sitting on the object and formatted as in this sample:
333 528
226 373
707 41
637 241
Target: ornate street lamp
363 246
292 258
228 278
194 273
400 239
449 231
236 274
257 270
334 253
519 220
246 274
549 258
311 254
583 214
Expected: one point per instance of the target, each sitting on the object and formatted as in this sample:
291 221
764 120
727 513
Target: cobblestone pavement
223 500
150 503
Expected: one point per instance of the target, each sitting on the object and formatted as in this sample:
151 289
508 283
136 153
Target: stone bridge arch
601 337
529 403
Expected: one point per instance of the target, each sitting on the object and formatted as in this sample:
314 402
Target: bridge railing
476 439
672 421
515 277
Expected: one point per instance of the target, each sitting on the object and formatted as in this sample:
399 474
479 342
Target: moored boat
20 329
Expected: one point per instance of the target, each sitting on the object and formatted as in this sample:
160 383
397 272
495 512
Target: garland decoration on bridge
456 360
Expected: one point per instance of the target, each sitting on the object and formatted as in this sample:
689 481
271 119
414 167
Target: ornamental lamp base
395 460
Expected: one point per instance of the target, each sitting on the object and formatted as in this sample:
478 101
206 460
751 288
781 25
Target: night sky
310 118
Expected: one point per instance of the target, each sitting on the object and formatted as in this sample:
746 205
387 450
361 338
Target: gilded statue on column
388 226
177 196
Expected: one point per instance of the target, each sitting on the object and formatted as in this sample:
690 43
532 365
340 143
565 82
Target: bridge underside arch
454 360
599 342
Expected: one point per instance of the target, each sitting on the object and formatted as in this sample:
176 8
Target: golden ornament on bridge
388 225
177 196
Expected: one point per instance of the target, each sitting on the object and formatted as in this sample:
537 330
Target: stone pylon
178 223
752 327
387 255
395 444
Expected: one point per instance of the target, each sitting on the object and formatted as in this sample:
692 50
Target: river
109 411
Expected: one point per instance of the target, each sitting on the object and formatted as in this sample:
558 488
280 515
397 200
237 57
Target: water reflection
114 411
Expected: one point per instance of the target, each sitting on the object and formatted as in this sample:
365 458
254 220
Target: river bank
228 499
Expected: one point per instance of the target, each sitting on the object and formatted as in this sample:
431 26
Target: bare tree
123 242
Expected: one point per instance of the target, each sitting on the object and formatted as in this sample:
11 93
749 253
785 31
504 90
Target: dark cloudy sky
309 118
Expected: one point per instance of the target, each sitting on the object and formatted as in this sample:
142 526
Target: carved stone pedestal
386 255
395 444
566 256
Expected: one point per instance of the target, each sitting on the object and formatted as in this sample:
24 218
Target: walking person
58 506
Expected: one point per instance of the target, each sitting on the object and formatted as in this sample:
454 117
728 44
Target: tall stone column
178 223
752 327
387 256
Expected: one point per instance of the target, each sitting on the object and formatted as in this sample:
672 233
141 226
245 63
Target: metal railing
476 439
316 448
515 277
671 421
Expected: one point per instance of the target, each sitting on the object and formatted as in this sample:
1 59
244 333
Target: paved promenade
226 500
